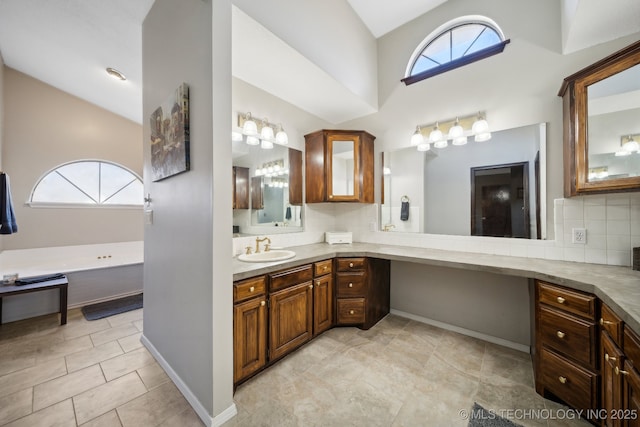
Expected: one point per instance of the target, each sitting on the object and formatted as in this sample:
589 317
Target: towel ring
404 199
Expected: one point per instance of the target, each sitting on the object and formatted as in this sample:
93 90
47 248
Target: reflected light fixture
424 146
266 144
480 129
115 74
253 140
630 144
436 135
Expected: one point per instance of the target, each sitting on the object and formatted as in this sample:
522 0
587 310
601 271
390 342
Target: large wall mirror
492 188
274 189
602 125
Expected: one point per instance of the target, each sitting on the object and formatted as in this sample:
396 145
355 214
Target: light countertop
618 287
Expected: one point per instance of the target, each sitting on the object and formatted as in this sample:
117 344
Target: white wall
329 34
188 321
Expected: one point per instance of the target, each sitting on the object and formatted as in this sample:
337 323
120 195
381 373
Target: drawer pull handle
619 371
608 358
605 322
351 264
251 289
263 303
560 300
351 312
351 285
562 379
560 334
325 267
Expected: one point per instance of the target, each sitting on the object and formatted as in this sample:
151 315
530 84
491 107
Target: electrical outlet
579 236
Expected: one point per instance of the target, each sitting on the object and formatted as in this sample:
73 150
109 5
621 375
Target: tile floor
399 373
85 373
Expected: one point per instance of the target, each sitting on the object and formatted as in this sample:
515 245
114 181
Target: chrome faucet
266 247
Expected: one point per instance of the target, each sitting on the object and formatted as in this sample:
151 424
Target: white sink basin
273 255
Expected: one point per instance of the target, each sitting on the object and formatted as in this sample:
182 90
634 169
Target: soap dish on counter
334 237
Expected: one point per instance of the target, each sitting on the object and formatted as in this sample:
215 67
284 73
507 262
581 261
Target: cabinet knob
251 289
311 286
562 379
262 303
318 282
560 334
560 300
351 264
351 312
351 285
331 196
325 267
619 371
605 322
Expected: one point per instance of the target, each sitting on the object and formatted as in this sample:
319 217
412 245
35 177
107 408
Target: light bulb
481 137
436 135
417 138
456 130
267 145
249 127
461 140
424 147
252 140
281 137
440 144
480 125
266 132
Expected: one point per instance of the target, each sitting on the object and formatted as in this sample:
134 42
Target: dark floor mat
109 308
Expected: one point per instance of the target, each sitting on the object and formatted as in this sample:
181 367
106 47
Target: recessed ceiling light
115 74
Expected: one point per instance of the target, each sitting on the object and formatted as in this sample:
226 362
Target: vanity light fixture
115 74
457 131
249 127
417 138
275 168
262 129
281 137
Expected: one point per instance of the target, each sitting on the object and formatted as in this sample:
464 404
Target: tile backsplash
612 224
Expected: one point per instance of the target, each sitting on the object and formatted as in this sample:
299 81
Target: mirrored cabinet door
339 166
601 107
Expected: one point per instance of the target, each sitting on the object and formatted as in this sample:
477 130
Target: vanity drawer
249 288
293 276
610 322
350 264
350 310
569 335
351 284
576 386
569 300
322 267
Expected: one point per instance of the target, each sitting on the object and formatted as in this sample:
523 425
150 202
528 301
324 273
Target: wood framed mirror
601 110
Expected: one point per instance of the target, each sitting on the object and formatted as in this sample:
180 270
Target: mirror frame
575 117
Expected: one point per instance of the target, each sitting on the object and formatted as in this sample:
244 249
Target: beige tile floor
399 373
85 374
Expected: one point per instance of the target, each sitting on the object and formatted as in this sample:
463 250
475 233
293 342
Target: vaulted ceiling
69 43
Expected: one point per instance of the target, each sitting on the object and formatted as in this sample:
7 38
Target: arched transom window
88 183
458 42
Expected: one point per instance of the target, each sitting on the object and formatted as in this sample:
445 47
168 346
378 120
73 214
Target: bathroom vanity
587 316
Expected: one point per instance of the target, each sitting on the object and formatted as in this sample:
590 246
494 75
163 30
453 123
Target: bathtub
96 273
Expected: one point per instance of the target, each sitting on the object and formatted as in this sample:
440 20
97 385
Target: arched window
88 183
458 42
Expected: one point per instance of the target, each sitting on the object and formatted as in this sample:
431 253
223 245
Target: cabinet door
291 318
343 167
257 199
322 304
249 338
631 396
611 362
240 188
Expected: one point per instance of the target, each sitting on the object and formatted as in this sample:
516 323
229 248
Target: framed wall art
170 135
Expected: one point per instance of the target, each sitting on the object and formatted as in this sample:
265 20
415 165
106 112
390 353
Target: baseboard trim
202 412
463 331
105 299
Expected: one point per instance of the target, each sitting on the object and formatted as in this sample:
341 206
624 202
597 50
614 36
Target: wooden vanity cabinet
631 378
290 310
566 359
240 187
322 296
339 166
362 291
249 327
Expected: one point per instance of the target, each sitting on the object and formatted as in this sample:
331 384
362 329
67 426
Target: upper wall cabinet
339 166
601 106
